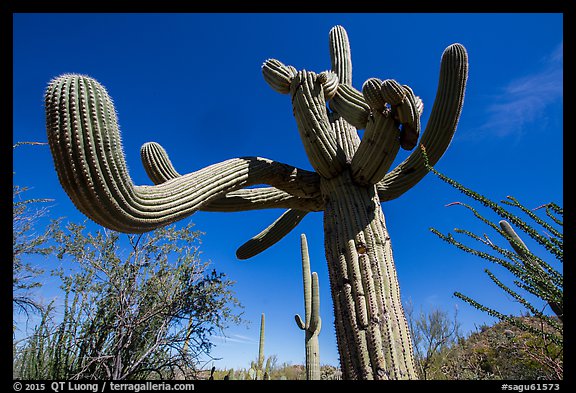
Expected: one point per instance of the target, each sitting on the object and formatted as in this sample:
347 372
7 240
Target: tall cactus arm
307 281
315 320
85 143
340 54
440 128
160 169
272 234
341 63
347 100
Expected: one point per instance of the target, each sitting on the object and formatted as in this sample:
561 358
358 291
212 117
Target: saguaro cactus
261 344
351 178
257 369
312 322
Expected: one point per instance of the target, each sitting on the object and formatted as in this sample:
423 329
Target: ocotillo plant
312 322
349 181
532 274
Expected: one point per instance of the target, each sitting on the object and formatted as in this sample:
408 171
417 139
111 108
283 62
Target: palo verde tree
26 241
349 181
144 313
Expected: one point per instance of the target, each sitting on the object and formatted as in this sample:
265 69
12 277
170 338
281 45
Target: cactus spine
312 322
351 178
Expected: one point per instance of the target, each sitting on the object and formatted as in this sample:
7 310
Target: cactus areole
351 178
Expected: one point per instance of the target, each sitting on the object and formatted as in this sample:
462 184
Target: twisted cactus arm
439 129
309 102
85 142
312 323
272 234
359 109
380 142
160 169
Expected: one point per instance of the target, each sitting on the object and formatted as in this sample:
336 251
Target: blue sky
192 82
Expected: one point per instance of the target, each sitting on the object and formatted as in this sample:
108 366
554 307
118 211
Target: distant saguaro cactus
351 178
312 322
259 370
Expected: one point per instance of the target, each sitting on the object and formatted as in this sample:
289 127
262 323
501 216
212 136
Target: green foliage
537 280
503 352
26 242
146 313
432 332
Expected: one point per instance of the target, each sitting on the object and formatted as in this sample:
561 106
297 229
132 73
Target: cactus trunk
312 357
372 334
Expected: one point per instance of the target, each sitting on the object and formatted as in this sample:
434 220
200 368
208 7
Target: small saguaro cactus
261 344
259 370
312 322
351 178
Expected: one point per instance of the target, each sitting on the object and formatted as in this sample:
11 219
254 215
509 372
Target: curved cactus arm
262 198
441 125
308 91
350 103
272 234
160 169
85 143
156 163
381 140
301 324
